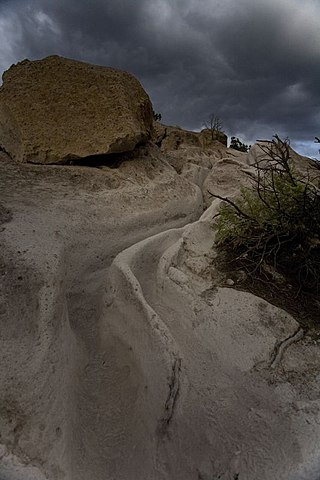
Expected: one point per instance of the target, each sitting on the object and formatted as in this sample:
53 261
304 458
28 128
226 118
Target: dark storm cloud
254 63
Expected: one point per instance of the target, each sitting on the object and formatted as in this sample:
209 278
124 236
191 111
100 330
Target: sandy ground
122 356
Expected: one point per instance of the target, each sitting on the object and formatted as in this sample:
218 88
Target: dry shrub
273 228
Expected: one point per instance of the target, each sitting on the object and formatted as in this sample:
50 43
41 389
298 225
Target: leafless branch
230 202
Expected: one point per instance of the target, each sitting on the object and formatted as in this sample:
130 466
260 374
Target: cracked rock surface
122 357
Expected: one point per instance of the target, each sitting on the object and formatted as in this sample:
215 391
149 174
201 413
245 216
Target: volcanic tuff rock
171 138
124 352
55 110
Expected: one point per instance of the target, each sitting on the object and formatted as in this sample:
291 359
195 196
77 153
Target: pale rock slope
124 354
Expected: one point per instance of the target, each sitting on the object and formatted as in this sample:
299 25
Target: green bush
275 225
156 116
236 144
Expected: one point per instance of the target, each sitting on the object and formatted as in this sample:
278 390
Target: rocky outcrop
260 153
209 137
125 353
171 138
55 110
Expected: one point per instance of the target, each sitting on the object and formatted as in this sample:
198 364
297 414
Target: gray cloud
254 63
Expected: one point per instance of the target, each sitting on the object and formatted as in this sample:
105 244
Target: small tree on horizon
317 140
156 116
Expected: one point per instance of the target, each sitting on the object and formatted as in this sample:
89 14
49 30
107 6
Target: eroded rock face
55 110
125 353
209 137
171 138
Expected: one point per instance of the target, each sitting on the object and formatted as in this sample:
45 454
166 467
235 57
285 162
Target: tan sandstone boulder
55 110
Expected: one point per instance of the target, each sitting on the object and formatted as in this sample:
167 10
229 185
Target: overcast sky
253 63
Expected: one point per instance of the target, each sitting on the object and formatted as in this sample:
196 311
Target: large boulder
55 110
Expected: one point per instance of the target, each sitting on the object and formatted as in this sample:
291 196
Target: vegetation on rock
273 229
236 144
214 124
156 116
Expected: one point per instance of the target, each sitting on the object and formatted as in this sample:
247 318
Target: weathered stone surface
208 137
125 352
171 138
54 110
